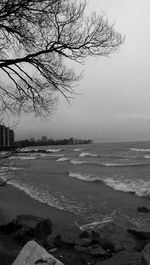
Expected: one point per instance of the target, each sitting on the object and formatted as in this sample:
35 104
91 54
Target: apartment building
6 137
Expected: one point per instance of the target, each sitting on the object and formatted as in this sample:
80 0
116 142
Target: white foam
27 157
4 169
103 220
53 150
147 156
82 176
23 157
44 196
62 159
83 154
122 165
140 150
78 149
138 186
34 193
77 162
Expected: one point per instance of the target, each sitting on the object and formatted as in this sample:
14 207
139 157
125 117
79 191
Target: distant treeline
45 141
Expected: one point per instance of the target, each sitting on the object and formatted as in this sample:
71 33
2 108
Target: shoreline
14 202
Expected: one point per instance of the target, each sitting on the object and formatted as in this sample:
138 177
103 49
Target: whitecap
147 156
78 149
140 149
77 162
82 176
4 169
88 154
27 157
62 159
138 187
53 150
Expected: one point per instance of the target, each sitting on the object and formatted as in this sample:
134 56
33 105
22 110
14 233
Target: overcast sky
115 100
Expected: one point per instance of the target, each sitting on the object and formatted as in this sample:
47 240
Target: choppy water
96 181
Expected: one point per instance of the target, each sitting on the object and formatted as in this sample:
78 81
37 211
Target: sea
98 182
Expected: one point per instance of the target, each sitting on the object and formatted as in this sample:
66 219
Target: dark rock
22 235
146 254
143 209
123 258
43 229
142 233
8 247
95 237
27 227
69 237
118 242
85 234
98 252
29 221
84 242
82 249
50 241
10 227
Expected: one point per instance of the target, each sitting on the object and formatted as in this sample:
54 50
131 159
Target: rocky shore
113 243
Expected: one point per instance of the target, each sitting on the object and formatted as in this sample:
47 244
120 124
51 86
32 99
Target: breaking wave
140 150
79 162
26 157
83 177
78 149
44 196
6 169
62 159
147 156
87 154
53 150
138 187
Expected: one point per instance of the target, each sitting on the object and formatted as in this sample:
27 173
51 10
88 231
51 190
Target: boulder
123 258
33 254
95 237
43 229
8 247
29 221
51 240
68 237
81 249
27 227
98 252
118 242
22 235
86 234
146 254
84 242
10 227
142 232
143 209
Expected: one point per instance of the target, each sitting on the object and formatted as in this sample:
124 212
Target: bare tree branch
37 39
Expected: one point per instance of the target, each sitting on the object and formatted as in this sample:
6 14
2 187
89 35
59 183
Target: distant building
6 137
11 138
